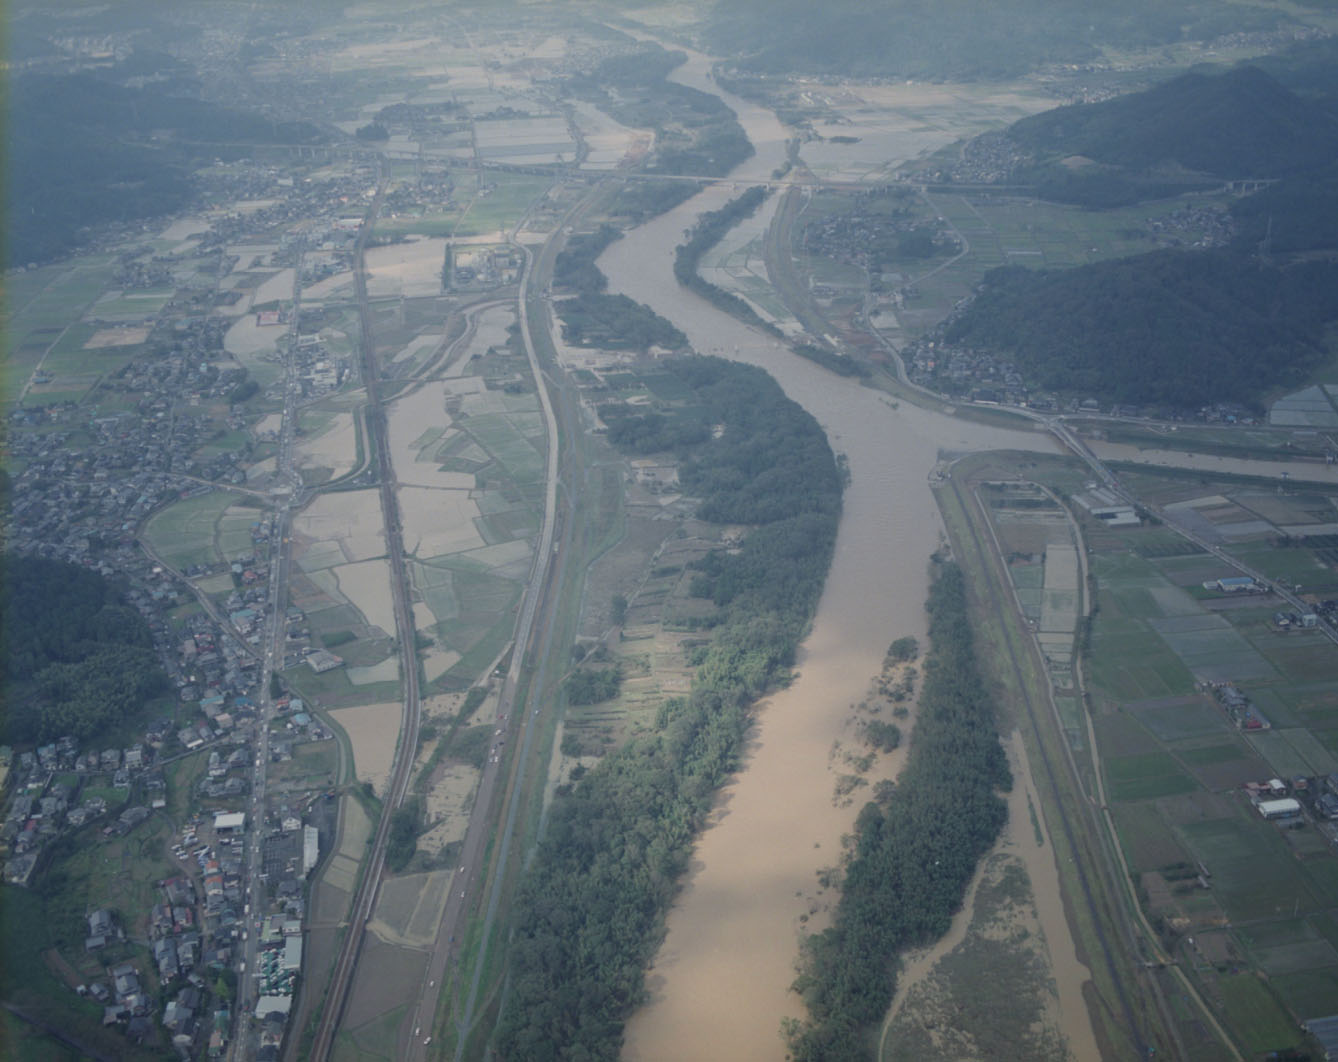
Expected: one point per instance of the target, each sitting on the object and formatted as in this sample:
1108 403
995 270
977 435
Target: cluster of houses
43 791
991 158
192 932
294 199
991 379
1241 710
161 428
77 503
865 236
981 375
1279 801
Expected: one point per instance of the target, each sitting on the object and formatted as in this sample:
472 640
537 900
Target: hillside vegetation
84 151
1173 327
77 658
966 39
1181 328
1298 213
1241 123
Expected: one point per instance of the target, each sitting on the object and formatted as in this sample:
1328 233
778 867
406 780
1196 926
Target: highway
502 780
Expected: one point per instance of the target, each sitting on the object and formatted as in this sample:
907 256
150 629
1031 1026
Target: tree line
710 230
615 322
575 267
915 851
596 318
590 911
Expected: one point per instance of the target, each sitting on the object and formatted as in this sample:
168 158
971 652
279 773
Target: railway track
364 901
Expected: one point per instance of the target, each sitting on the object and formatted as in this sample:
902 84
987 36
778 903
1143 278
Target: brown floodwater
720 984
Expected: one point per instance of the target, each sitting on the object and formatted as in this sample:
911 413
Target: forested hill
1309 68
1241 123
1173 327
965 39
82 151
1296 214
76 657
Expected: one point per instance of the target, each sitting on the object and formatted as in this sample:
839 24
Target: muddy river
720 984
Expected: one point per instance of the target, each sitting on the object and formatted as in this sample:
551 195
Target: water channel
720 983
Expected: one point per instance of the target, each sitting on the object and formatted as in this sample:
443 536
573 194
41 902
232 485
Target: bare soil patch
117 337
373 731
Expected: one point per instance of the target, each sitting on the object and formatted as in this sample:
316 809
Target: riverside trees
590 913
915 852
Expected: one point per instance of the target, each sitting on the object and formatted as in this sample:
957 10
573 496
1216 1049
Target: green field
1174 762
1256 1014
313 766
473 610
1177 722
1309 994
443 223
189 532
1210 755
504 206
1253 874
496 433
1148 841
140 304
1280 753
1130 662
1144 777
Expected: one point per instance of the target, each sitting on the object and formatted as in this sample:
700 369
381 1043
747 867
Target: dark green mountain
1296 214
83 151
1172 327
1238 124
954 39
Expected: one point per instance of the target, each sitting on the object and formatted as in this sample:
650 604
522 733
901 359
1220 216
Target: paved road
497 785
275 638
